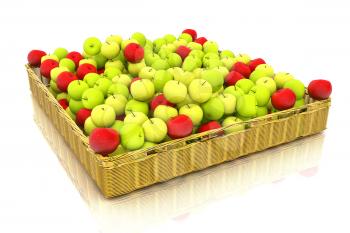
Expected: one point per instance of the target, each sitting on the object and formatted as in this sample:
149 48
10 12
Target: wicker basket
134 170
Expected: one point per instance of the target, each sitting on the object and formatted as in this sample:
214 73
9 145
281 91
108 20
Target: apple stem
132 113
204 82
151 121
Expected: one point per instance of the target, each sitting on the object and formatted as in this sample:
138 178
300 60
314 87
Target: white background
309 192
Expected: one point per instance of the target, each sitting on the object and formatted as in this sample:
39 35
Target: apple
114 39
85 69
169 38
234 90
158 43
103 84
184 77
148 145
125 43
242 58
255 62
75 57
193 111
260 71
281 78
34 57
135 117
194 46
161 77
283 99
136 106
122 79
214 77
82 115
213 63
117 126
165 112
135 68
320 89
67 63
76 89
75 105
261 93
118 103
175 91
92 97
139 37
115 64
245 85
183 51
299 103
49 57
213 109
232 124
60 53
209 126
160 64
229 102
62 95
261 111
92 46
88 61
222 69
228 62
133 53
104 141
142 90
191 63
89 126
56 71
118 88
197 53
160 100
191 32
185 37
100 61
179 126
46 67
70 114
198 73
64 103
200 90
174 60
155 130
232 78
269 83
210 46
242 68
150 58
246 106
64 79
132 136
147 73
226 53
103 115
297 87
111 72
201 40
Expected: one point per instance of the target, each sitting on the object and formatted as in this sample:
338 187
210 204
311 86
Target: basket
116 176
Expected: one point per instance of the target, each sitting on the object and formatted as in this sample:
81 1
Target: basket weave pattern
134 170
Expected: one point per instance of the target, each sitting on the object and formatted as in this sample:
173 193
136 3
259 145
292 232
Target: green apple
184 77
174 60
193 111
61 96
197 53
228 62
261 93
229 102
148 145
281 78
261 111
267 82
91 79
135 68
111 72
214 77
190 63
198 73
100 60
114 39
75 105
226 54
175 91
200 90
70 114
49 56
213 109
135 117
165 112
103 115
233 124
245 58
245 85
123 79
136 106
160 64
157 44
57 71
210 47
60 53
88 61
185 36
117 126
246 106
178 43
161 77
155 130
169 38
147 72
54 87
150 58
142 90
297 87
213 63
210 56
118 88
262 70
222 69
110 50
119 151
117 102
103 85
194 46
92 46
92 97
76 89
115 63
299 103
124 43
52 91
141 39
89 126
132 136
187 100
68 63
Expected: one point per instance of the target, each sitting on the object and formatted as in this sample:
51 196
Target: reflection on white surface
176 199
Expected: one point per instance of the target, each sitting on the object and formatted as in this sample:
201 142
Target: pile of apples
128 94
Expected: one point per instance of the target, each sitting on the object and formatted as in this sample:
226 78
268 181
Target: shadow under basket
125 173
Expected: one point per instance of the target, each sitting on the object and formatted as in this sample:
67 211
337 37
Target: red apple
183 51
201 40
283 99
209 126
75 56
254 63
133 53
64 79
104 140
34 57
160 100
47 66
84 69
191 32
320 89
64 103
232 77
242 68
82 115
179 126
